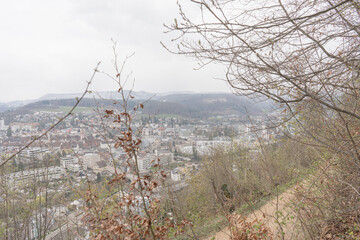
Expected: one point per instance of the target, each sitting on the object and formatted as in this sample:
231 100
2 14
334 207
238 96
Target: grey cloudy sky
51 46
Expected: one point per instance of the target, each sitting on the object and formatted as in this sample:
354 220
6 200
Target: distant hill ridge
4 106
51 96
195 105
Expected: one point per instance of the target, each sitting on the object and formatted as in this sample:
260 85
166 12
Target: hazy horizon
52 47
89 95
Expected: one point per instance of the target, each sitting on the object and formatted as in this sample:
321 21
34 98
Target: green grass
163 115
207 228
218 222
65 109
173 165
77 109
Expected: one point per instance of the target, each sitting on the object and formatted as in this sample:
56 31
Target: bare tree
26 201
288 51
301 54
131 208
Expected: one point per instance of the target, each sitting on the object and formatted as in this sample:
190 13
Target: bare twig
36 138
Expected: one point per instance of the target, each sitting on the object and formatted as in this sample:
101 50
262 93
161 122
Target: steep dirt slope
277 206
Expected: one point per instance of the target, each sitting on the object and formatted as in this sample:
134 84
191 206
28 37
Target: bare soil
267 214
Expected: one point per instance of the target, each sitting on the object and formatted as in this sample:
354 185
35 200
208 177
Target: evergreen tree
9 132
98 177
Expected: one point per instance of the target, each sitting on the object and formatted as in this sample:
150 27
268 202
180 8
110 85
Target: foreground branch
78 100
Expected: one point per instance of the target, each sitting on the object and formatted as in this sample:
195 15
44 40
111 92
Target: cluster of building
81 142
82 147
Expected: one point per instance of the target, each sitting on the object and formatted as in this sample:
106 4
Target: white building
23 126
90 160
35 152
40 174
144 164
165 157
70 163
175 175
2 125
74 168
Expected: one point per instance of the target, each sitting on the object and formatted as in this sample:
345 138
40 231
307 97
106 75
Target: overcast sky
51 46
